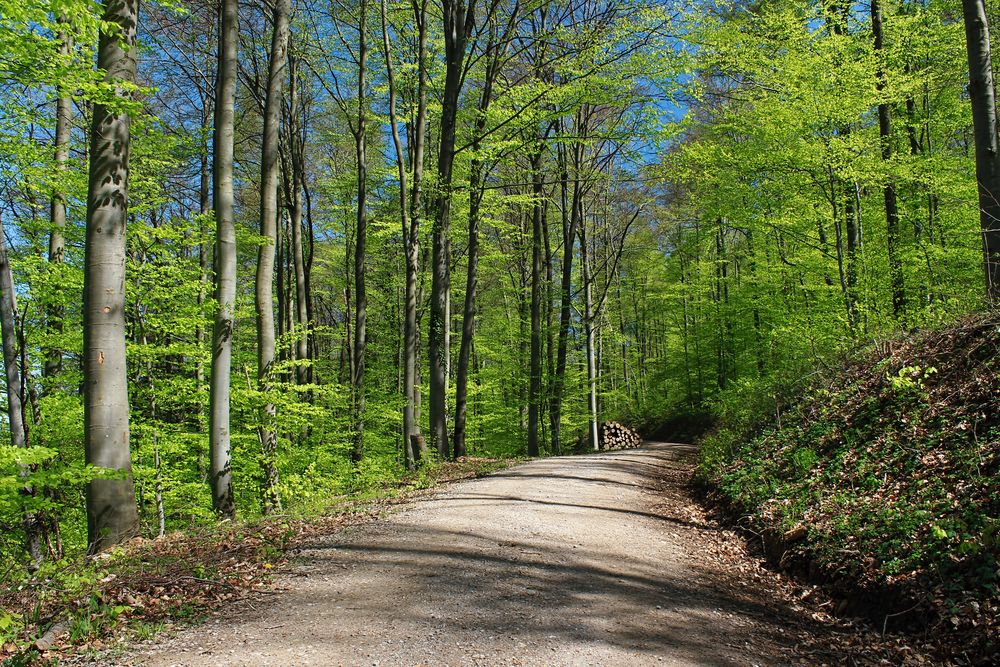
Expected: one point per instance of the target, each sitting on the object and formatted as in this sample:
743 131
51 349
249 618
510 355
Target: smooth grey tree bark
889 190
204 206
458 22
535 382
589 317
571 207
309 248
413 292
296 151
361 239
495 48
469 306
982 94
410 226
536 400
264 285
220 442
15 389
57 209
112 515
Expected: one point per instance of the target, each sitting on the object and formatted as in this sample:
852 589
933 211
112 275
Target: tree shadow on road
532 593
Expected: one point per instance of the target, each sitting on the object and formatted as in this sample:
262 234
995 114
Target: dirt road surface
596 560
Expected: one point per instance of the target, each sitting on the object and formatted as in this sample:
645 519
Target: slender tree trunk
360 242
623 346
161 513
588 325
535 386
204 205
281 262
270 148
411 380
852 231
687 336
15 392
523 318
310 255
220 441
55 312
410 451
758 335
295 146
984 120
550 349
720 277
457 24
889 190
838 228
286 299
112 515
348 346
571 221
57 241
469 307
448 323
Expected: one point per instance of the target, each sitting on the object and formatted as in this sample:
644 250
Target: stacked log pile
615 435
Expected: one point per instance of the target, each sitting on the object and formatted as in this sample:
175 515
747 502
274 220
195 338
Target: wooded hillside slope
883 480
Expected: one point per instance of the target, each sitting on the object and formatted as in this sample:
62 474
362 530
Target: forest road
597 560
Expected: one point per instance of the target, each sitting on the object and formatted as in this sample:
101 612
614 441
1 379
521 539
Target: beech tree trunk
413 290
204 205
297 153
112 514
410 220
588 325
982 93
471 281
848 231
457 25
535 383
309 250
889 190
571 207
57 241
469 307
15 389
360 242
220 444
270 150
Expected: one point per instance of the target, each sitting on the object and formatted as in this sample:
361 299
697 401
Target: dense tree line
271 252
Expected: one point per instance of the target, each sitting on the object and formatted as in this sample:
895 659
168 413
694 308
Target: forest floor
592 560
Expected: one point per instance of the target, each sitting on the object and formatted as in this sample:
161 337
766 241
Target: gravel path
596 560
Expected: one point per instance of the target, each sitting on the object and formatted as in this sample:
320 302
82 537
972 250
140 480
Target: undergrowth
883 480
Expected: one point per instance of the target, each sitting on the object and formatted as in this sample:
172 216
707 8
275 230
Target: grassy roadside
95 604
882 481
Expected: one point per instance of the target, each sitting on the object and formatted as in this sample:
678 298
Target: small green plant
189 612
910 379
147 630
81 628
10 627
96 617
804 459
